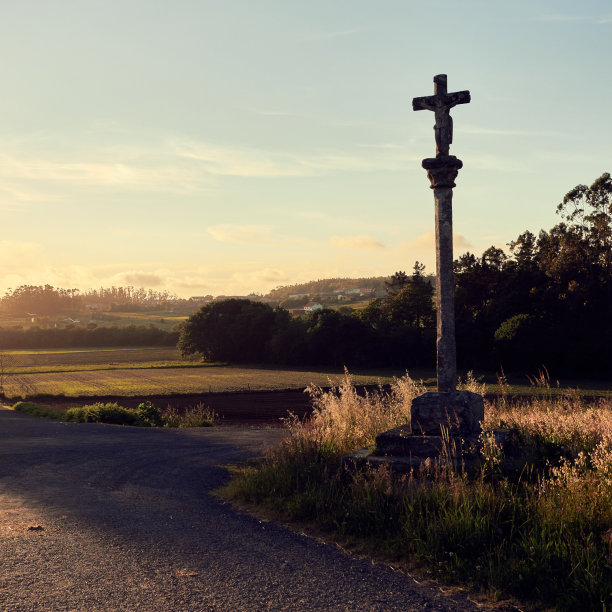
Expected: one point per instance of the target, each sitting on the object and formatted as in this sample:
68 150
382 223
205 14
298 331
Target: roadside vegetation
542 534
145 414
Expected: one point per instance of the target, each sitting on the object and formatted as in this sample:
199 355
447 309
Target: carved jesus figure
443 129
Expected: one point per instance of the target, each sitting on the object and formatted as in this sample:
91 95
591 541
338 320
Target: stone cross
442 172
441 103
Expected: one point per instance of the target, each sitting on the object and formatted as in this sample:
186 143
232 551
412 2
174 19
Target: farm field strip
44 361
146 365
171 381
90 355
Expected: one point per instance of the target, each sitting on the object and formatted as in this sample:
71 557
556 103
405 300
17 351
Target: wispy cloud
499 164
143 170
19 255
565 17
356 242
138 278
476 129
335 33
274 112
220 160
240 234
170 166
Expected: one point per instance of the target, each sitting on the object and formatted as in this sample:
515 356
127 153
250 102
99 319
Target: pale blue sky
228 147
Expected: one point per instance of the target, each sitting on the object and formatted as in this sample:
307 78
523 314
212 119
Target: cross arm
441 101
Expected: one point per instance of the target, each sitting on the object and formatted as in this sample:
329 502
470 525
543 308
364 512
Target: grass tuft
192 416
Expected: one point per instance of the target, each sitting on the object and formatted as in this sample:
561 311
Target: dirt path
102 517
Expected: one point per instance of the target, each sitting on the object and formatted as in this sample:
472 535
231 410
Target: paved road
103 517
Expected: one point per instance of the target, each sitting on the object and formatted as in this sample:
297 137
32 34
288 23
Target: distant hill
326 286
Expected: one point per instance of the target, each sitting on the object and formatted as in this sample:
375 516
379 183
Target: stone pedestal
444 427
460 412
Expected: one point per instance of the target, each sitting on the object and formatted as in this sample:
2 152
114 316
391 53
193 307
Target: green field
162 371
146 371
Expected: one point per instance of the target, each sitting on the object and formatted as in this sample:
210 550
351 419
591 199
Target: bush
35 410
103 413
149 415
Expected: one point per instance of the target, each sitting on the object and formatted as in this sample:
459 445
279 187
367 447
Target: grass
145 371
145 414
544 535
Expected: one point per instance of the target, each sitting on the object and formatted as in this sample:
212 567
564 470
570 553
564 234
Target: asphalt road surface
104 517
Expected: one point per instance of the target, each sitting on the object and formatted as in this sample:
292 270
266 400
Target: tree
588 212
413 305
338 339
234 330
396 283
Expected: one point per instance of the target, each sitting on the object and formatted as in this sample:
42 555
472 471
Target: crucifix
442 171
441 103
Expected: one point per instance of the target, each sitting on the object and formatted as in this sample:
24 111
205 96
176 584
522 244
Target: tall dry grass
545 535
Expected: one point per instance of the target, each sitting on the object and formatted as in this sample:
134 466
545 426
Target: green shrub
39 411
103 413
149 415
146 414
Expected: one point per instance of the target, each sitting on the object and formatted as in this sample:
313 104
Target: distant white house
200 300
312 306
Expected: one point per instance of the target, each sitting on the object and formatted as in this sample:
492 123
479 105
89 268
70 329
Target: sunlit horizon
232 148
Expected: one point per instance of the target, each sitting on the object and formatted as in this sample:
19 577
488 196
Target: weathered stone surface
442 171
363 458
401 442
461 412
404 452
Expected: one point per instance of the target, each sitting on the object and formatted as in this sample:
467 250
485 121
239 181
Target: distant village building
312 306
201 300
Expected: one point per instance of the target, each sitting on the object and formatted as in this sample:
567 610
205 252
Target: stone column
442 172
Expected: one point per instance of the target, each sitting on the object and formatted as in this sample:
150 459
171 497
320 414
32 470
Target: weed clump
192 416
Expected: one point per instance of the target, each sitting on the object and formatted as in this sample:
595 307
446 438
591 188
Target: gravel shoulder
103 517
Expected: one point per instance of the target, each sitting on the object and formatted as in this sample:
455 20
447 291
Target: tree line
548 301
47 300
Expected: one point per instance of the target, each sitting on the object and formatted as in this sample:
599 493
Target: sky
233 146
